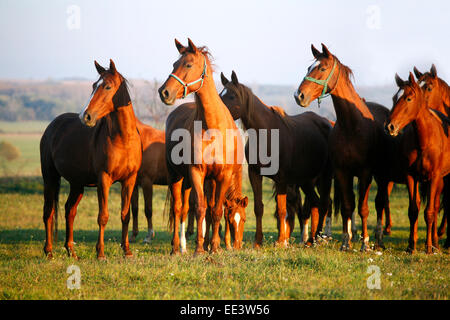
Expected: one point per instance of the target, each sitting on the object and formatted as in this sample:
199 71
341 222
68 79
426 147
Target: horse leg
127 190
304 222
75 195
413 212
437 204
313 201
388 225
324 189
176 190
147 187
345 182
184 214
135 212
190 223
447 208
197 181
256 183
363 207
380 205
430 212
51 193
281 215
103 187
219 196
210 200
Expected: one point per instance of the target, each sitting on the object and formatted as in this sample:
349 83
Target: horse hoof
387 232
365 248
199 252
410 250
379 246
345 248
49 256
101 258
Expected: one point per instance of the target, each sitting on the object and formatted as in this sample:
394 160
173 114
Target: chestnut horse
434 144
357 142
437 93
303 158
96 148
153 171
208 125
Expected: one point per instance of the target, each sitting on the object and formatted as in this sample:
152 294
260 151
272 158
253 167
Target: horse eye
189 65
107 87
429 89
408 99
322 69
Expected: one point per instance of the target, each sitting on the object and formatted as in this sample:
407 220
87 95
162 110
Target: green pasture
296 272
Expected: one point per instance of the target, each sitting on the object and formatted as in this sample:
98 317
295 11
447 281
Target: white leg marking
204 227
182 237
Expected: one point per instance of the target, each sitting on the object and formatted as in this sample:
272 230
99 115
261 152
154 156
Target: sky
265 42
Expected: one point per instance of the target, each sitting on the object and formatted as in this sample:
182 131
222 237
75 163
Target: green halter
186 85
323 83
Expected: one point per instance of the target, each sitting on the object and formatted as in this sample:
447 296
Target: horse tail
336 199
168 207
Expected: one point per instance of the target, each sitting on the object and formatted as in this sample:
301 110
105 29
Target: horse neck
211 108
445 97
260 117
349 107
123 122
425 124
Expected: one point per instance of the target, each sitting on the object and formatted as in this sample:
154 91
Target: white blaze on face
81 115
237 218
224 92
182 237
311 67
204 227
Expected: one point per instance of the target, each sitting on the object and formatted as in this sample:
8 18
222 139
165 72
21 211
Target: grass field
296 272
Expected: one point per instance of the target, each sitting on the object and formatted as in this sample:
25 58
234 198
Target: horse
153 171
207 152
357 142
437 93
303 158
98 147
434 144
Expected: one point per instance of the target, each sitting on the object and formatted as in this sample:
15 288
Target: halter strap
186 85
323 83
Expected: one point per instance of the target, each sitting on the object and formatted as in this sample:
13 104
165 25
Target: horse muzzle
166 96
392 129
87 119
301 100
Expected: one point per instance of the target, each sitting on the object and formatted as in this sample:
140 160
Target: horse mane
345 71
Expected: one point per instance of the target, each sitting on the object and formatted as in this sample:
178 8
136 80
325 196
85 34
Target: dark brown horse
207 151
303 157
153 171
437 93
434 143
96 148
357 142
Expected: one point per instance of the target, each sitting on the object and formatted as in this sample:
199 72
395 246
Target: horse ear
325 51
411 78
112 67
433 71
224 79
243 202
181 49
192 46
417 73
99 68
234 78
399 80
316 53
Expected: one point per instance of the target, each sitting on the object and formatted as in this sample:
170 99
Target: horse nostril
301 96
87 117
165 93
